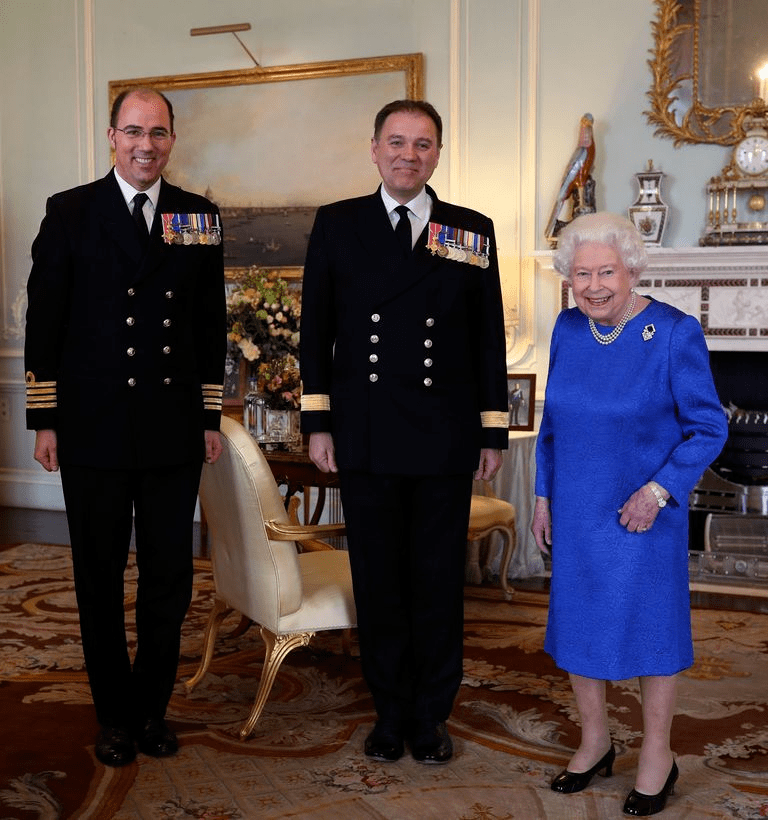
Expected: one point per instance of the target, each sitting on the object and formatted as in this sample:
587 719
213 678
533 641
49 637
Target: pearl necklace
616 332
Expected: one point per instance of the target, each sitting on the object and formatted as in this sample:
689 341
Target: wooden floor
50 527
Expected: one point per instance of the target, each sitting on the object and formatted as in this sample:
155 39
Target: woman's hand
541 526
640 510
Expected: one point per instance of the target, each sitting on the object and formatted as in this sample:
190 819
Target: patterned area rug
513 723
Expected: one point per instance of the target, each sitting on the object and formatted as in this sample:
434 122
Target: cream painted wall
594 58
510 77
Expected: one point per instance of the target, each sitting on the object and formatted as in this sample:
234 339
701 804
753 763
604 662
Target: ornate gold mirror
710 63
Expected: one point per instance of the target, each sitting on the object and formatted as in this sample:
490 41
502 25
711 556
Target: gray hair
605 229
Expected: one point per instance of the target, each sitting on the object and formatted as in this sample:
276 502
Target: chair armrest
280 531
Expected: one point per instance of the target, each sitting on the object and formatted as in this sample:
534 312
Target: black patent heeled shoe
644 805
570 782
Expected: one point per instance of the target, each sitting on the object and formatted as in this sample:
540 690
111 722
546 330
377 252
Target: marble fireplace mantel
726 288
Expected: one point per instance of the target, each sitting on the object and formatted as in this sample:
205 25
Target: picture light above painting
270 144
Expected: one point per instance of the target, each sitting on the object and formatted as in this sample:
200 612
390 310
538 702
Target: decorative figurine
649 213
577 183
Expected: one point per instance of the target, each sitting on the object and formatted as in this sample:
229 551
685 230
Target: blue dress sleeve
700 414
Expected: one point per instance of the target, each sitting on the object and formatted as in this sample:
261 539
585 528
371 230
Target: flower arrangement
263 317
280 380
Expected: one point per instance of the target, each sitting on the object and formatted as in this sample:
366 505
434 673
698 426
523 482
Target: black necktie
138 215
403 230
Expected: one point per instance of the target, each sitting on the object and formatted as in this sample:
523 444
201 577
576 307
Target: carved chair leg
218 613
245 624
510 542
277 648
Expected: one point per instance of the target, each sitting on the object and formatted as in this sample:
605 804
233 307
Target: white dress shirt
419 211
150 205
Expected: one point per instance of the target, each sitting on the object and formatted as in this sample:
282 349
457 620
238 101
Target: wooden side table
298 473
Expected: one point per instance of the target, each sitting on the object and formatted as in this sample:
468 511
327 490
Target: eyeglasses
155 134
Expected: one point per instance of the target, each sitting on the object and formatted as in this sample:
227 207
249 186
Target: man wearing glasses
124 359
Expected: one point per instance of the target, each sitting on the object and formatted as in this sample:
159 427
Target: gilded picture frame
266 145
704 68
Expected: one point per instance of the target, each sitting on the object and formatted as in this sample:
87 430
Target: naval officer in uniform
124 353
405 395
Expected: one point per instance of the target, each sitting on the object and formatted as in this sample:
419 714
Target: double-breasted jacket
125 345
402 358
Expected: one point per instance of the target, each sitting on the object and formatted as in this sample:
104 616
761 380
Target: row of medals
193 237
187 232
459 254
440 244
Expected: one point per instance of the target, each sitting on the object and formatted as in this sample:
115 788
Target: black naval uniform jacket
124 350
402 360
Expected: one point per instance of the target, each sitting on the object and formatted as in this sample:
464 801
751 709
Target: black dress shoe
114 746
157 740
431 744
643 805
385 742
570 782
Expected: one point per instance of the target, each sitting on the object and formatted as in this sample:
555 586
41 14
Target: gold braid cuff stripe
494 418
212 396
315 401
40 395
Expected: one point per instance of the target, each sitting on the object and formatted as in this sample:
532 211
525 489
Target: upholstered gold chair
490 514
257 568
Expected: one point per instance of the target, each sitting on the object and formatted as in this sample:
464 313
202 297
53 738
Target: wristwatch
656 490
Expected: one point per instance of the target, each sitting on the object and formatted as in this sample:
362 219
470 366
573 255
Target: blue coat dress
615 417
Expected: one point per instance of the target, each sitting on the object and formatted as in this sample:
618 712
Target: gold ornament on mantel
737 197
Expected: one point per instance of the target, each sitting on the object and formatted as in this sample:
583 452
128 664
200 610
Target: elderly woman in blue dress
631 420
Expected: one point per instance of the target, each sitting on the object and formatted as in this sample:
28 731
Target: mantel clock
737 198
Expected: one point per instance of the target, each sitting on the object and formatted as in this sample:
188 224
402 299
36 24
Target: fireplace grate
735 551
716 494
734 568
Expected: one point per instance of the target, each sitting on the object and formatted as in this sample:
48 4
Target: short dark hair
415 107
121 97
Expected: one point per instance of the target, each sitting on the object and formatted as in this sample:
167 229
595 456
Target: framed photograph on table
521 389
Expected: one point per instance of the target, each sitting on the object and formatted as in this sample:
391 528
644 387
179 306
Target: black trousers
101 506
407 540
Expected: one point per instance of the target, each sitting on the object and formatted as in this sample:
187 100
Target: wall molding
523 345
516 237
4 327
31 489
87 98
